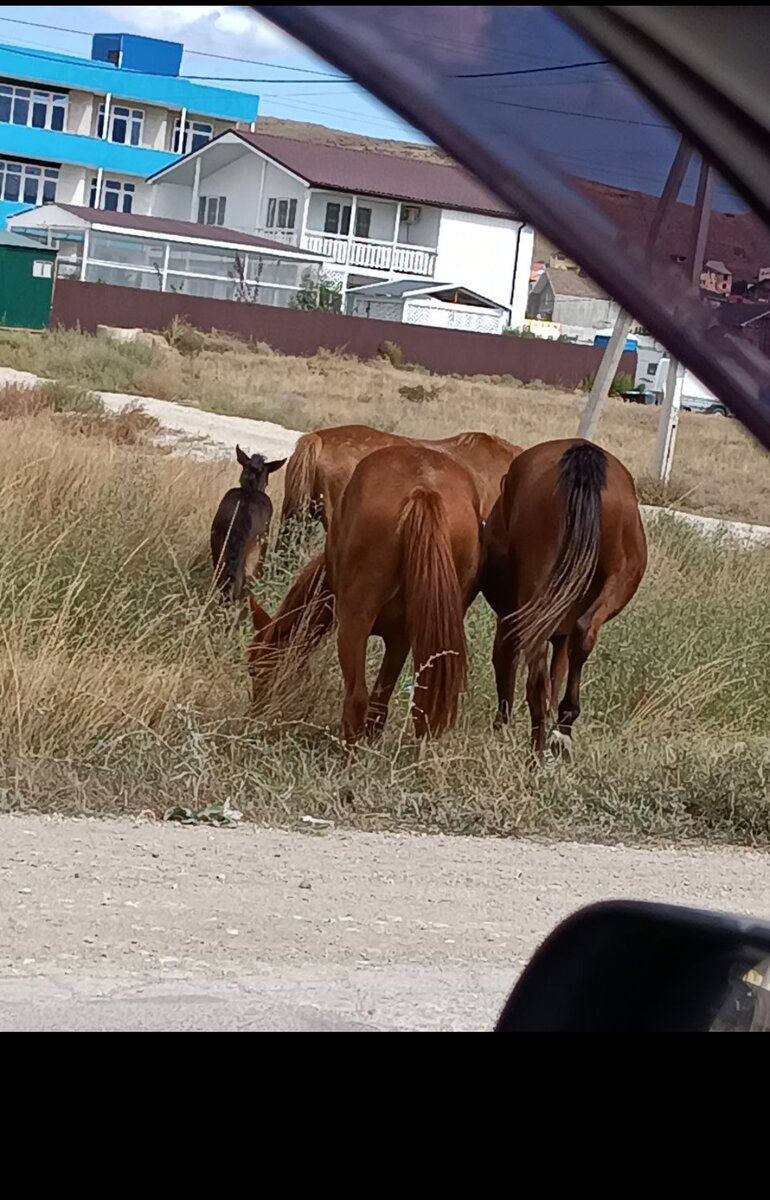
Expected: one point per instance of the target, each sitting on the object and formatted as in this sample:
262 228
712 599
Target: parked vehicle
695 396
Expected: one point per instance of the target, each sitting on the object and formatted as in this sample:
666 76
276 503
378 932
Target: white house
371 216
418 302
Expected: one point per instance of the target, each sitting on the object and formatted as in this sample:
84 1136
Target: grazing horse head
255 470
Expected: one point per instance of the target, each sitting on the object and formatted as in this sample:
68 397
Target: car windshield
385 522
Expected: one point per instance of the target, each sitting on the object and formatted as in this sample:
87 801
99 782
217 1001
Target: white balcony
367 253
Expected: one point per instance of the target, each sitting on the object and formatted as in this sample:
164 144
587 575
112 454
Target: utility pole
589 418
668 422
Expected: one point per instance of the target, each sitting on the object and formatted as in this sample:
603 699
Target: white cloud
222 28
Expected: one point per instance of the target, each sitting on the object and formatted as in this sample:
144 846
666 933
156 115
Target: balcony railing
367 253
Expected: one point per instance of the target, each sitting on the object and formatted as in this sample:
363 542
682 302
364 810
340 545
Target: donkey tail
582 479
434 610
299 487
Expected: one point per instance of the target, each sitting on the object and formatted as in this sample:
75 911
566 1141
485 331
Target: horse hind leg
538 697
559 741
581 642
396 651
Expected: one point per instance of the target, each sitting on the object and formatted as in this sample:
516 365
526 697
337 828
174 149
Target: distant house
573 301
441 305
716 277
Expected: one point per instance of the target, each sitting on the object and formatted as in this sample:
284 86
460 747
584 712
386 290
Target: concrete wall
170 200
479 252
424 232
71 185
80 114
155 134
590 313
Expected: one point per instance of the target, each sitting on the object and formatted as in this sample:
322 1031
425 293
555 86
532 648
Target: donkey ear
275 465
243 458
259 616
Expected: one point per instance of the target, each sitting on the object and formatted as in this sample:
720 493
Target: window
126 125
42 269
338 220
27 182
28 106
211 210
281 214
196 134
116 196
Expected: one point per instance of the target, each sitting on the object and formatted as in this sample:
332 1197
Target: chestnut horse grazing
322 463
304 615
241 525
565 551
401 562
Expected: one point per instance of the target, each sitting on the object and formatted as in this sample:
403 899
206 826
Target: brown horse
322 464
401 563
241 525
564 551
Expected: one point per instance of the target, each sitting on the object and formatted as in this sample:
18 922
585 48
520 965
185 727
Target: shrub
322 295
418 394
392 353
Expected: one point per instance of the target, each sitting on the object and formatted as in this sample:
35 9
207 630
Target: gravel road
119 924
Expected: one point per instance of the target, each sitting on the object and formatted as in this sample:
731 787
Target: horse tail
299 487
434 609
582 479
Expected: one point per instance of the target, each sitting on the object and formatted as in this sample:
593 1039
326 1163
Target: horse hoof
500 722
560 745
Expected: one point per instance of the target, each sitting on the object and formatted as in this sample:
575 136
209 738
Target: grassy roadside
719 470
123 690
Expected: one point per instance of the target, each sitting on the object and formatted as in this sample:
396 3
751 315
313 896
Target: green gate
27 272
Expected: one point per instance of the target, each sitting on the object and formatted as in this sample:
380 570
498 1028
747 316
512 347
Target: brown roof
165 226
372 173
571 283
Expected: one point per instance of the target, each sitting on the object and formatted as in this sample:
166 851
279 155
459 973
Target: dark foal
564 552
241 525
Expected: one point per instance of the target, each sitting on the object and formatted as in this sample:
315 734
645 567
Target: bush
621 383
183 337
322 295
419 394
392 353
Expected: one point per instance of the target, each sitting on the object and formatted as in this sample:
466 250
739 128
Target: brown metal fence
444 351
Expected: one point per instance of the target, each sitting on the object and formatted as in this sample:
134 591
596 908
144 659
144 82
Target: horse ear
275 465
259 616
243 458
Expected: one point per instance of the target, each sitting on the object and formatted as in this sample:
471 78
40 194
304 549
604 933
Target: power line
250 79
595 62
565 112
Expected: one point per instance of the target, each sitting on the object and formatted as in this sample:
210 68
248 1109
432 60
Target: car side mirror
629 967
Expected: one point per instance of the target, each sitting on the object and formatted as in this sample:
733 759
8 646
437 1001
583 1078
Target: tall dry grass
123 688
719 469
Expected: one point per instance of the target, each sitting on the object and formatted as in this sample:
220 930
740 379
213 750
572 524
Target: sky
518 68
299 86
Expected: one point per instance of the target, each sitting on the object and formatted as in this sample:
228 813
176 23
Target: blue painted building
89 132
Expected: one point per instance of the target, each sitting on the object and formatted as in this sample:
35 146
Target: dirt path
126 924
208 435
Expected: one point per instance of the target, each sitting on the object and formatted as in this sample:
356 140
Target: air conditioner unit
410 214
